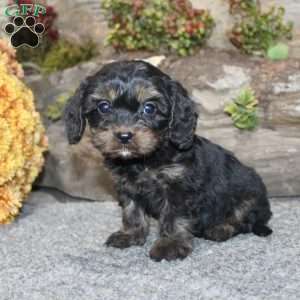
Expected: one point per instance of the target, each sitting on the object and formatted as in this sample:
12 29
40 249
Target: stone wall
82 19
90 20
213 77
224 21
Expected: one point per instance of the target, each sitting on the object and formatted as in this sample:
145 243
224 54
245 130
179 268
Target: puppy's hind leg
262 216
220 232
135 228
261 229
248 217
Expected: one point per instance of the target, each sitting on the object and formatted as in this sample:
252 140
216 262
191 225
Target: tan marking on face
144 141
107 93
112 94
143 93
104 140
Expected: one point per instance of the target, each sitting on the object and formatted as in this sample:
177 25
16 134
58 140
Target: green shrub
34 55
172 25
243 110
54 111
55 56
256 31
53 53
65 54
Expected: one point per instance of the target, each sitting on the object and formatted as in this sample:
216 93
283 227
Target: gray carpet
55 251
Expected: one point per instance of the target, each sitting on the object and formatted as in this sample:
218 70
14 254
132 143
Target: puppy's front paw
123 240
170 249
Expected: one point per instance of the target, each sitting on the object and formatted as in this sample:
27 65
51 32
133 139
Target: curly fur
190 185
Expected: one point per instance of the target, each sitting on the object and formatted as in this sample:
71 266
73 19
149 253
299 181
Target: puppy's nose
124 137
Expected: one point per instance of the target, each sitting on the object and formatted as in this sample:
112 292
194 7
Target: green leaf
230 108
278 52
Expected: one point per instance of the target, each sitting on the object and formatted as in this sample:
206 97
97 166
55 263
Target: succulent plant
243 110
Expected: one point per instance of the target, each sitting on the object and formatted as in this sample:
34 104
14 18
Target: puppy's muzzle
124 137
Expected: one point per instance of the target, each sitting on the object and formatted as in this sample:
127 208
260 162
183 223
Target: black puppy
143 123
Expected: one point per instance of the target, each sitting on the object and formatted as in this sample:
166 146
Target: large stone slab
219 9
76 170
81 20
55 250
213 78
274 154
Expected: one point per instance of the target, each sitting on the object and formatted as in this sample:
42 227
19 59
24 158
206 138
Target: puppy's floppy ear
73 115
183 117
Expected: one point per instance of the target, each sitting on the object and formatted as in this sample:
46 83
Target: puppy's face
132 108
127 119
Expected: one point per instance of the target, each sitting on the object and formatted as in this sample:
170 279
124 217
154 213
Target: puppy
143 123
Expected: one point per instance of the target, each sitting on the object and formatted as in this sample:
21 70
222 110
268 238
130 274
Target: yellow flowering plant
22 137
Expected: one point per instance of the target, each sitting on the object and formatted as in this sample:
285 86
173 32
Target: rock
213 78
292 85
90 21
295 46
224 21
48 88
71 77
213 102
284 110
210 101
76 170
292 9
155 60
219 9
80 21
219 89
234 77
274 154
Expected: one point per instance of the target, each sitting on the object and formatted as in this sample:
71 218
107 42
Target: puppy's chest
144 176
142 182
149 186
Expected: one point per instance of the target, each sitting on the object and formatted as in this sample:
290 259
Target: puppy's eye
104 107
149 109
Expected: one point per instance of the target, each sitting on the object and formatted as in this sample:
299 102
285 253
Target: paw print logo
24 32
